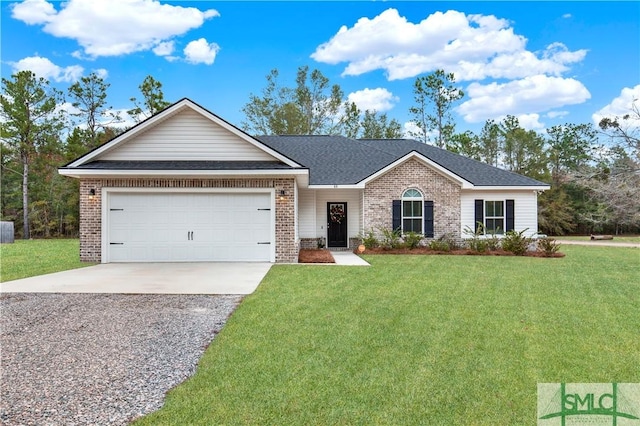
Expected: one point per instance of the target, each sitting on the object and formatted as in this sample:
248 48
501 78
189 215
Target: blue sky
545 62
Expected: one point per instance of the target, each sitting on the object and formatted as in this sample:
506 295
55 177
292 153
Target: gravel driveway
71 359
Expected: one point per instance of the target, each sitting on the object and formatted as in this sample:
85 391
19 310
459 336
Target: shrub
516 242
439 245
390 238
548 246
445 243
475 241
412 240
320 242
369 240
493 242
451 241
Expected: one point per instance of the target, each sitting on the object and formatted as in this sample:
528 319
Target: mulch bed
315 256
462 252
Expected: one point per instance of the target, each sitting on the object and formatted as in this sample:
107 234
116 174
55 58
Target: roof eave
106 173
510 187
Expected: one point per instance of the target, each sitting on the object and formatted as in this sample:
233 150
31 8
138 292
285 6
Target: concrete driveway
148 278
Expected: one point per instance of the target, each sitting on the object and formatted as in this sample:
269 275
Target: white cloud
620 105
33 11
379 99
115 27
566 16
557 114
43 67
199 51
102 73
528 121
165 48
473 47
530 95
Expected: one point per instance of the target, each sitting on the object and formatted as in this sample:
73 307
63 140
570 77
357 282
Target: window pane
494 226
412 193
498 208
488 207
406 208
417 208
412 225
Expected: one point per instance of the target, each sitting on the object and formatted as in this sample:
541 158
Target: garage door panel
157 227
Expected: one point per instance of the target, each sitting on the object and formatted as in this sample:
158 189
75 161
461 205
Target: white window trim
503 217
402 215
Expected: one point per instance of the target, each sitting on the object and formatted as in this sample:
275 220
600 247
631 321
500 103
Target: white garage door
187 227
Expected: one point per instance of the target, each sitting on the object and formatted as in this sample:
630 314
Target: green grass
417 340
616 238
27 258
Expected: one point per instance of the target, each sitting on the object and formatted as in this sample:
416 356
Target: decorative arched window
412 211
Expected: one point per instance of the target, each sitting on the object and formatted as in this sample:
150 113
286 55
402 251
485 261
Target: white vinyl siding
307 213
187 136
353 198
525 212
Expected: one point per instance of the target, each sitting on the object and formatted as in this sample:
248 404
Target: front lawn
27 258
417 340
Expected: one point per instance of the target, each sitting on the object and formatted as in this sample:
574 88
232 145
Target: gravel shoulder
77 359
602 243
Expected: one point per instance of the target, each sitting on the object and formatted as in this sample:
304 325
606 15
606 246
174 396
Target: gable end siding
187 136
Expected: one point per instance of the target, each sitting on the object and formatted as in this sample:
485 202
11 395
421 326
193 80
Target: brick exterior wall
91 214
445 194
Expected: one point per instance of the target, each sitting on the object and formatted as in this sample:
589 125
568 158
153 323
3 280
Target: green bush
476 242
412 240
369 240
493 242
516 242
548 246
390 238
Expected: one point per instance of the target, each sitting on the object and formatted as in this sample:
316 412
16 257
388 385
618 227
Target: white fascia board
86 173
416 155
185 103
510 188
349 186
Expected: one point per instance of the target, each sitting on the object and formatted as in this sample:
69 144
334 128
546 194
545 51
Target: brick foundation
91 214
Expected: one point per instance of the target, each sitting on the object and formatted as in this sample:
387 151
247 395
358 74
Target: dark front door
337 225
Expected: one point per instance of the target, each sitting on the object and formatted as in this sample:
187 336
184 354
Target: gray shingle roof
332 160
337 160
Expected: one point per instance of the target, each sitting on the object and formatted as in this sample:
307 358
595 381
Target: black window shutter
479 214
397 215
510 213
428 219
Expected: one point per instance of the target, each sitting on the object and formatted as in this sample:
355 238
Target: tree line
594 172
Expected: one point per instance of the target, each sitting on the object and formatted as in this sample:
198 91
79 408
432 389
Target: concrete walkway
347 258
148 278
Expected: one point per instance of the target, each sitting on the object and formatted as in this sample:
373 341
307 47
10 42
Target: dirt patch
315 256
463 252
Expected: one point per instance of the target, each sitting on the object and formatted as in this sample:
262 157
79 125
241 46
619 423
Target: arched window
412 212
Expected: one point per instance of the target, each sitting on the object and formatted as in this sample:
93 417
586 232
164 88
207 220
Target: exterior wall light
283 195
92 193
